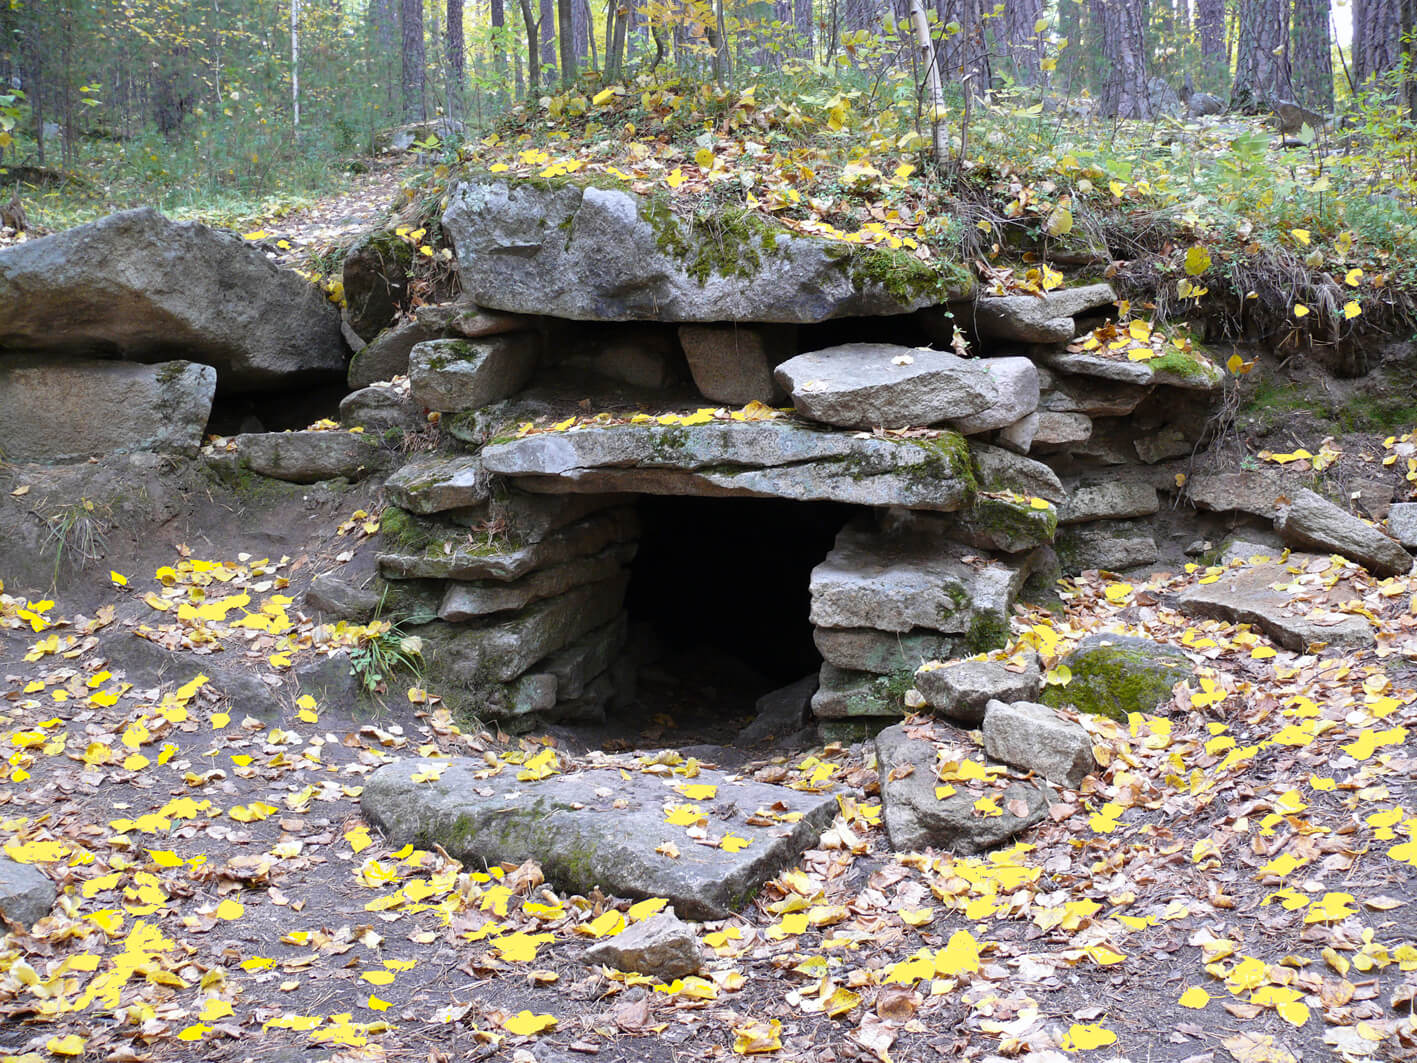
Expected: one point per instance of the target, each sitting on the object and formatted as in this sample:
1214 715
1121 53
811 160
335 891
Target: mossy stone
1116 675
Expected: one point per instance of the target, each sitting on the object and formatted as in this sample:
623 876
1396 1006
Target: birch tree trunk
934 93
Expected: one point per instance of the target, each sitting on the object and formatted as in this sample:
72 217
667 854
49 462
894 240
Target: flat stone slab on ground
753 459
917 817
1247 595
598 829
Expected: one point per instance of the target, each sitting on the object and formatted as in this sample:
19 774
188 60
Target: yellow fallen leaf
1084 1037
230 909
1194 997
525 1024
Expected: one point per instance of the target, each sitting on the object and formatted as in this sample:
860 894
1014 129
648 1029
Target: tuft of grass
77 534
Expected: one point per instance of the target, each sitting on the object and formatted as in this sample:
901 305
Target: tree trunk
1377 32
566 32
295 64
1408 22
802 23
974 72
1313 59
414 108
456 48
1123 56
533 50
934 95
1261 66
546 32
1210 26
1024 42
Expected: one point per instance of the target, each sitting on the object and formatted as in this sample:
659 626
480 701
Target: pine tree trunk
1312 55
414 109
456 51
1025 44
1123 54
1210 27
802 23
1377 32
566 34
547 32
1261 67
498 17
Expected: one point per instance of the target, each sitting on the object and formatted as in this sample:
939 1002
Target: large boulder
1312 522
59 409
607 254
139 287
884 385
602 827
375 277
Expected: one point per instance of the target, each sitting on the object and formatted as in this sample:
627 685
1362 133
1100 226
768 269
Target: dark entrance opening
719 600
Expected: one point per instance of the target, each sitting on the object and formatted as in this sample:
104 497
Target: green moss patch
1115 675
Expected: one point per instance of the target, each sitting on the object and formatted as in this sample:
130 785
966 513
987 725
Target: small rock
338 598
781 713
469 321
999 470
1402 524
1061 393
1373 496
734 363
870 385
1237 549
1035 738
437 484
1038 319
1169 442
308 457
661 946
1113 545
916 819
1019 436
26 894
1312 522
380 409
1110 500
1254 491
386 355
1060 429
842 694
962 690
452 375
1116 675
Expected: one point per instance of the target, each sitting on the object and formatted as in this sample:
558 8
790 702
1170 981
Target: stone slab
881 652
308 457
598 829
473 599
452 375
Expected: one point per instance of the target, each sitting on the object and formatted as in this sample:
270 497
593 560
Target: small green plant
383 650
77 533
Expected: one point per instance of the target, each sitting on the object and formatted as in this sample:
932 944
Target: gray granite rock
438 483
597 828
1116 499
586 659
873 385
1116 675
1402 523
881 652
1311 522
470 600
308 457
1162 445
386 355
1016 385
1247 596
898 582
56 409
470 321
1060 429
607 254
1107 544
962 690
917 819
511 558
1046 318
1000 470
781 713
380 409
843 694
756 459
1035 738
1192 371
661 946
333 596
26 894
1019 436
734 363
451 375
1062 393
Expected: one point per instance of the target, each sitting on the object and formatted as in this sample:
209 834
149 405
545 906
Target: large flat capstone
754 459
605 254
136 286
601 828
